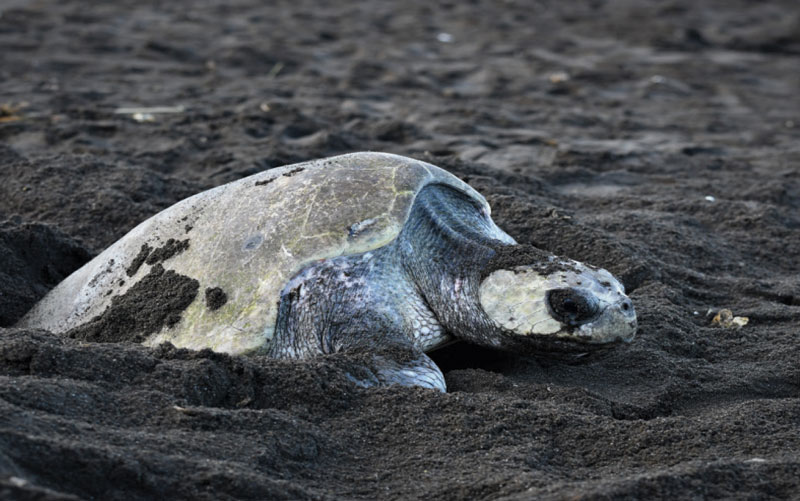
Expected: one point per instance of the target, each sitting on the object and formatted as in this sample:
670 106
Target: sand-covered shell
244 241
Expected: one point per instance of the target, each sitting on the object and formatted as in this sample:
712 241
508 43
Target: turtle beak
615 322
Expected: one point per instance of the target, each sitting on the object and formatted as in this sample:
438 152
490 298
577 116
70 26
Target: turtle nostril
627 308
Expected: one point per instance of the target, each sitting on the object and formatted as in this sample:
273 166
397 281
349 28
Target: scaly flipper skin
361 303
414 370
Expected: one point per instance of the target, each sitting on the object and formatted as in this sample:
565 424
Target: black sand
660 140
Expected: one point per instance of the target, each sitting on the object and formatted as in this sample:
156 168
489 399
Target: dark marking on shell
154 302
294 171
171 248
253 242
188 228
109 269
215 298
139 260
358 228
265 181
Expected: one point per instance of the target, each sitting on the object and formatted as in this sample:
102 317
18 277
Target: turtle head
558 303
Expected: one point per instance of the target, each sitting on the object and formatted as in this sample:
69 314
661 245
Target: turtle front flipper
360 309
406 367
370 366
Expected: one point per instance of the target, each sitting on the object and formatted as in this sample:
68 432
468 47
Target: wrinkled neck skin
444 250
448 280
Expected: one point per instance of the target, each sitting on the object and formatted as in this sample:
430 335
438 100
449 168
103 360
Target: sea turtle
365 251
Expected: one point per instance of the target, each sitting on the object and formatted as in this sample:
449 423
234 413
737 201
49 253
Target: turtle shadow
462 355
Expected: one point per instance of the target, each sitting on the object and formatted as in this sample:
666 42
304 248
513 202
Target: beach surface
658 140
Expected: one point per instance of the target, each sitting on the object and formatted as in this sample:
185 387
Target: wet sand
659 141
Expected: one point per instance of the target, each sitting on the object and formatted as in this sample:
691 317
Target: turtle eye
571 306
